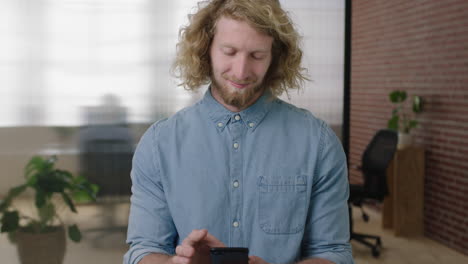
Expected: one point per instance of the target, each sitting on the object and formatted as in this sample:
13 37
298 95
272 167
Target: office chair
375 161
107 162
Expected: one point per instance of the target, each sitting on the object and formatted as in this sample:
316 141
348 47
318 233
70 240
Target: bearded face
240 57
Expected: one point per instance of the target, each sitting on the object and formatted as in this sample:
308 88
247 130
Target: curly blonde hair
192 63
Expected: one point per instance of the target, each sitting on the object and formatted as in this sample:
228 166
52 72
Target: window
58 57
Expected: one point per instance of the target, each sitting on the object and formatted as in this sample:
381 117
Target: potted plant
41 238
404 120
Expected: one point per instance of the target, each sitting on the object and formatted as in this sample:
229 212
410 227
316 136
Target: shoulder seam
295 109
154 143
320 145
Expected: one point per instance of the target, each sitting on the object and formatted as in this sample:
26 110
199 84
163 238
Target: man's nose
241 68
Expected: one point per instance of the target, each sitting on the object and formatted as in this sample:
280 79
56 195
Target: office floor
400 250
106 247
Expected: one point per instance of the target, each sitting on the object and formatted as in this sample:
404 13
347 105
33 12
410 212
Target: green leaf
12 237
40 165
393 96
95 190
64 174
51 182
33 165
417 104
4 204
10 221
79 179
412 124
32 180
397 96
82 196
74 233
85 191
393 123
17 190
12 194
69 202
92 190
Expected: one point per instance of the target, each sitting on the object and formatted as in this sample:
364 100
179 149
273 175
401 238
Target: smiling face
240 57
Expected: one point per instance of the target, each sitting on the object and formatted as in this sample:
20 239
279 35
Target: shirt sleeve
150 228
327 229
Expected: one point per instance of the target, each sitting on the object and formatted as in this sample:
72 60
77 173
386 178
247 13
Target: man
240 168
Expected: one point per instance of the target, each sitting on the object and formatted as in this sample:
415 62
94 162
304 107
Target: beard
240 98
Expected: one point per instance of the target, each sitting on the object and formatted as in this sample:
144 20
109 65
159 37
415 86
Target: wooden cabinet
403 208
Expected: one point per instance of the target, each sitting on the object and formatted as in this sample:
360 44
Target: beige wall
19 144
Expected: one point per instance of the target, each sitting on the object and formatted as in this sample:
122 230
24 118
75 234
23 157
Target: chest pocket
282 204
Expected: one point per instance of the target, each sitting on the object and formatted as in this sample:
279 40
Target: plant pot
404 140
43 248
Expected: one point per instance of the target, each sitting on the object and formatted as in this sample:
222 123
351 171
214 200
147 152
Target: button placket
236 129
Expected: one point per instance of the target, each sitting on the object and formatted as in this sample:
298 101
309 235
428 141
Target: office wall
422 47
19 144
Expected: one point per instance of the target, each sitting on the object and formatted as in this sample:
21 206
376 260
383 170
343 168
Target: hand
256 260
195 249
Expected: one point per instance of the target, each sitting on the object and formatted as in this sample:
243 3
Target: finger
212 241
194 237
185 251
180 260
255 260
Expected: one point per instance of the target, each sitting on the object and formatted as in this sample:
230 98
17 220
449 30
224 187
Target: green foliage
46 181
74 233
401 120
47 212
10 221
398 96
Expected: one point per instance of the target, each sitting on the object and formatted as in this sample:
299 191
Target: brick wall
422 47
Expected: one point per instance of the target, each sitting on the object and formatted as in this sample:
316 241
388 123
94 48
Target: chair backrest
375 161
108 162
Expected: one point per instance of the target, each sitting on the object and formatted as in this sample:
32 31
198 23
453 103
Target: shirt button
236 145
235 224
251 124
220 124
235 184
237 117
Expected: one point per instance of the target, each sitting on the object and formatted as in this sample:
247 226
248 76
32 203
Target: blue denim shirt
271 178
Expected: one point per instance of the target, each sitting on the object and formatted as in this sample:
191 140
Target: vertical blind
58 57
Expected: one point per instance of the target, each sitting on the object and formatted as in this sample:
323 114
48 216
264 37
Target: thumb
195 236
212 241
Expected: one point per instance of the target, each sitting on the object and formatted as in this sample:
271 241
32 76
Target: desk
403 208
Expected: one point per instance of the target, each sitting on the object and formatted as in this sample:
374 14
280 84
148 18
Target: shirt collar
251 117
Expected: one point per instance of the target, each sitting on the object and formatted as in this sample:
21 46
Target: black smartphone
229 255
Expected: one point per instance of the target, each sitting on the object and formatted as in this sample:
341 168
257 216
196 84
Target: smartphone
229 255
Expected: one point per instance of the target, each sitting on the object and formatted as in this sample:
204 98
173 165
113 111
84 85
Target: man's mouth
238 85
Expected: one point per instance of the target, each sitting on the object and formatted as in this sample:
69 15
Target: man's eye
229 53
258 57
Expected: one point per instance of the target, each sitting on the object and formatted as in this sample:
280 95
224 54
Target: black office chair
107 162
375 161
